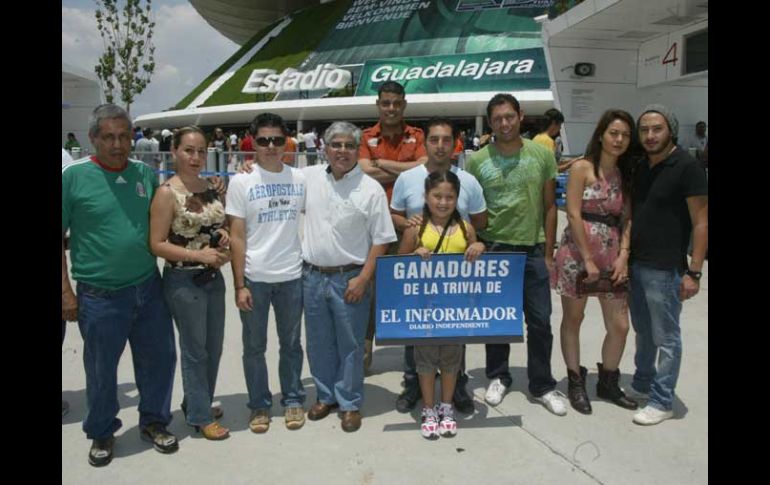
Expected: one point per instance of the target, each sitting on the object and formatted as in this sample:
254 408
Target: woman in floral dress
596 242
186 219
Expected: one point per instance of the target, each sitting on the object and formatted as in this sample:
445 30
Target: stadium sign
461 69
521 69
324 76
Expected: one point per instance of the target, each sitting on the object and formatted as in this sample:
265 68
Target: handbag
603 285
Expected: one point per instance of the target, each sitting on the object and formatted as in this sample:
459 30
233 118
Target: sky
187 49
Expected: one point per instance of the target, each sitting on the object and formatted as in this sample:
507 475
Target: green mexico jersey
513 190
107 214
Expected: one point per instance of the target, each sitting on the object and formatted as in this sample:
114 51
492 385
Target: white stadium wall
80 94
630 48
583 100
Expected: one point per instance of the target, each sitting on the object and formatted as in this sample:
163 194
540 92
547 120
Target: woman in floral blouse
186 228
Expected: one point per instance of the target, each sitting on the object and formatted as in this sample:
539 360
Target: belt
334 269
185 265
606 219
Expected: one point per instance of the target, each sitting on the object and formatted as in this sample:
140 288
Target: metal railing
227 164
219 163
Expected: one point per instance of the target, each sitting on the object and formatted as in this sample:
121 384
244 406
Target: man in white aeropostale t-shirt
263 208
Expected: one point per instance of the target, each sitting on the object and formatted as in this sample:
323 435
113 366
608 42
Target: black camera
214 240
210 274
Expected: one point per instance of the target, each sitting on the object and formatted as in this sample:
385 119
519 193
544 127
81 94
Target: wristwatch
693 274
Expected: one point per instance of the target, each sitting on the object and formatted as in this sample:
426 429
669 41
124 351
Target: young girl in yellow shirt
443 230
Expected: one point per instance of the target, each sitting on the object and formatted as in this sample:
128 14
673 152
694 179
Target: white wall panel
78 101
653 53
612 65
583 100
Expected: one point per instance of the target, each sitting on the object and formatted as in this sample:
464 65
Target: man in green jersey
518 177
105 206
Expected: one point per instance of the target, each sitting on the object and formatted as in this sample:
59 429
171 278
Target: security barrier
225 164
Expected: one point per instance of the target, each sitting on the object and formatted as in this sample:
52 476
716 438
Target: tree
128 60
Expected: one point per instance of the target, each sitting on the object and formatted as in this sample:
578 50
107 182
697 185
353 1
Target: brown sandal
214 431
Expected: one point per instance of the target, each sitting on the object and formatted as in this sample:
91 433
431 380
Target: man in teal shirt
518 177
105 206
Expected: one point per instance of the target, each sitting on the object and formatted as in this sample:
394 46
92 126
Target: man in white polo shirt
347 225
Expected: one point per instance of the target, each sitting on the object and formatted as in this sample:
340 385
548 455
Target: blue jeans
537 318
335 337
655 309
286 298
199 314
107 319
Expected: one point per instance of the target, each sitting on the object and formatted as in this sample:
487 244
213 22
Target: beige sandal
259 421
214 431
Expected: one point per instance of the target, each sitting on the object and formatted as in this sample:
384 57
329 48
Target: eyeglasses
265 141
341 145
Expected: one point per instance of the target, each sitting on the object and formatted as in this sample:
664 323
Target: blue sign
449 300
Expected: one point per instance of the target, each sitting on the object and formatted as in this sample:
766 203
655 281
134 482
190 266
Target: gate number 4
671 55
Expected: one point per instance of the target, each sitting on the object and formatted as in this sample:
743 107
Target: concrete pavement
517 442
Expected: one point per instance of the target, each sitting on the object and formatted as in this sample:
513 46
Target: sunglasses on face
265 141
341 145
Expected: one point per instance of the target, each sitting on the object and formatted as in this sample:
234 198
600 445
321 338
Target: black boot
576 389
461 399
409 397
608 388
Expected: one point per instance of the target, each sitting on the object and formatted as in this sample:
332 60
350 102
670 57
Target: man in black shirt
670 200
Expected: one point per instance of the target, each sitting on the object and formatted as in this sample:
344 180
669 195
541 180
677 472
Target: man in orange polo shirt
290 151
458 149
387 149
391 146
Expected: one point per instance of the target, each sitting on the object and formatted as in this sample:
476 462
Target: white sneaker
552 402
649 415
634 394
429 424
495 392
447 425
